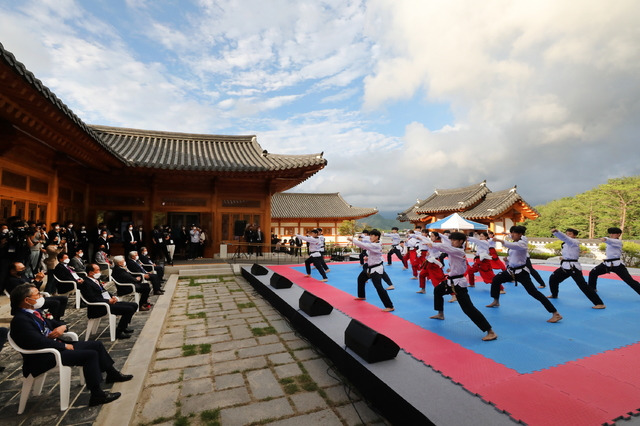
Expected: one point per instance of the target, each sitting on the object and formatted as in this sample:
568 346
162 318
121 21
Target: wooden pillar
52 211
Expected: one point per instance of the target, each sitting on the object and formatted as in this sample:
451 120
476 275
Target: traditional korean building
498 210
54 167
293 213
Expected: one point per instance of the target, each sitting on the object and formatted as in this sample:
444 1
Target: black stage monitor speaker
313 305
278 281
257 269
238 228
368 343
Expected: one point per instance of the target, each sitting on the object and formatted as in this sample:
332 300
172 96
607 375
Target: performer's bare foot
472 285
328 270
551 296
503 292
421 291
491 335
414 278
493 304
541 286
598 306
555 318
391 287
404 269
307 276
325 279
438 316
360 298
453 299
388 309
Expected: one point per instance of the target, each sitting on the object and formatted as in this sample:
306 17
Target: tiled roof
19 68
457 199
302 205
409 215
187 151
497 203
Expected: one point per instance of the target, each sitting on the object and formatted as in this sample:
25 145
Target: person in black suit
56 305
93 291
123 276
31 331
130 240
148 263
258 238
65 273
135 266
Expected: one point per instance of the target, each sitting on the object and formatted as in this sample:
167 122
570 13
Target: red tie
38 315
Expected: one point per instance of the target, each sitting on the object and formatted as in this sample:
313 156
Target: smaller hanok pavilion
293 213
498 210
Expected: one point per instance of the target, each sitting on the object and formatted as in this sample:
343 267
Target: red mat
590 391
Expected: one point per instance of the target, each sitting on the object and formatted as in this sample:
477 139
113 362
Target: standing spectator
83 241
170 243
249 236
159 246
130 240
258 239
194 242
183 241
71 237
203 242
34 241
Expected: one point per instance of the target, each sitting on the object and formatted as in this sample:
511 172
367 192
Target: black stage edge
404 390
384 398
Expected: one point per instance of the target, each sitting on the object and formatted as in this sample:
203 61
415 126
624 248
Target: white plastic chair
136 295
94 323
75 289
36 383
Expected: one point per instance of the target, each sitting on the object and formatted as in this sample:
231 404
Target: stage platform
580 371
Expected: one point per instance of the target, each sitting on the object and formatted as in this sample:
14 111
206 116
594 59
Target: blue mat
526 341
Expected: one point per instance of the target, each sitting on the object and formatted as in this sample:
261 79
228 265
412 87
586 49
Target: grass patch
198 315
159 420
291 388
211 417
181 421
263 331
205 348
196 296
188 350
246 305
234 290
287 380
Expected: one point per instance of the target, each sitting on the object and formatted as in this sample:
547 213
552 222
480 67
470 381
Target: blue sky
403 97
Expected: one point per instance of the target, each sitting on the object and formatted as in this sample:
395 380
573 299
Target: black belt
370 267
568 260
455 277
611 260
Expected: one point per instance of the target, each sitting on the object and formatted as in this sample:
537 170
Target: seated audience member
93 291
62 272
31 331
123 276
135 267
102 256
77 262
147 262
56 305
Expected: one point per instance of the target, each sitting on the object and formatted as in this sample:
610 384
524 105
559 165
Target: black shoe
116 376
128 330
106 398
158 292
122 335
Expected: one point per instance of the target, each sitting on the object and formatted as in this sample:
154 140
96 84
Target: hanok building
297 213
498 210
54 167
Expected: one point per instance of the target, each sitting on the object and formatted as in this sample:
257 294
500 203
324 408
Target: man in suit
148 263
56 305
62 272
93 291
123 276
130 240
135 266
31 331
77 262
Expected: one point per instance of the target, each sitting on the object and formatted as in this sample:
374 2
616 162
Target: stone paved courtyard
225 356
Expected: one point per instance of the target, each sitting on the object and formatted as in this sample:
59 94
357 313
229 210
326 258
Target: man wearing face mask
56 305
130 240
149 265
77 262
93 290
63 272
31 331
134 265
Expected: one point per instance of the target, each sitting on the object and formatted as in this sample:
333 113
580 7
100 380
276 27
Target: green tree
348 227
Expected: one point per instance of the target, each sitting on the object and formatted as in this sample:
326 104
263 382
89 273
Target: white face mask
97 275
144 253
39 303
80 254
65 261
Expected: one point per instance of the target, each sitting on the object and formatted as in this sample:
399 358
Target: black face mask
21 273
